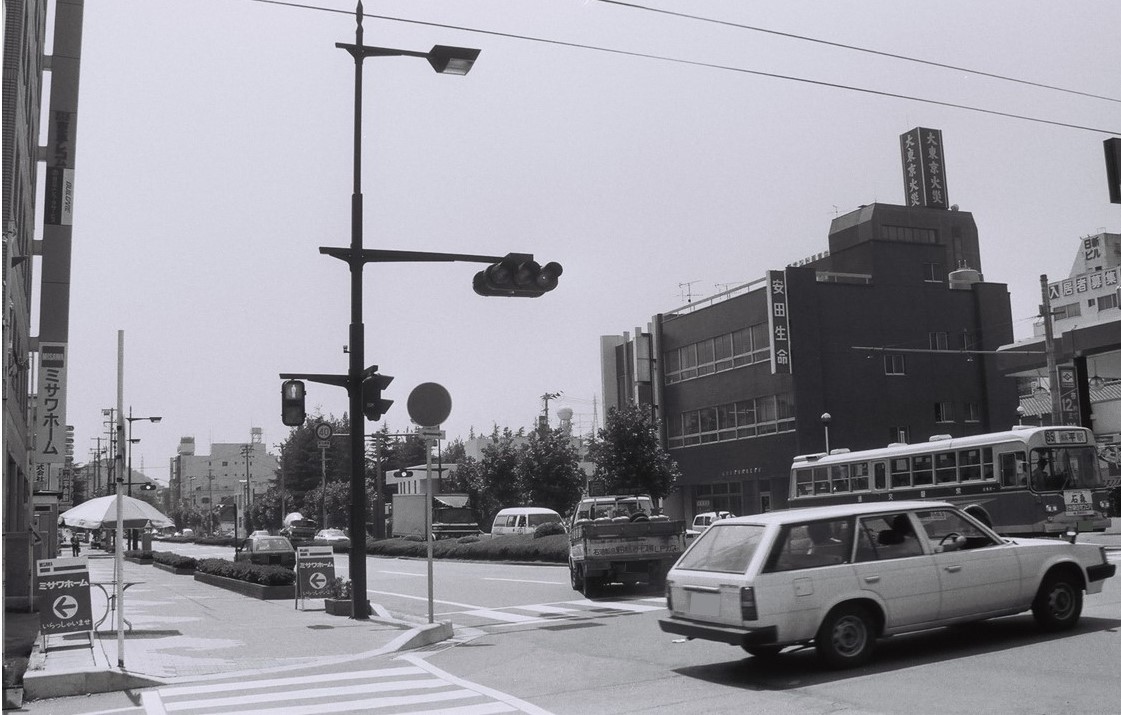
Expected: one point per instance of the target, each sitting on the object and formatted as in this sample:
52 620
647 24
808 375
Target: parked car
332 537
522 520
704 520
842 576
267 550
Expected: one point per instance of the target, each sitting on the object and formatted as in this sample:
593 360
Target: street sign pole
430 537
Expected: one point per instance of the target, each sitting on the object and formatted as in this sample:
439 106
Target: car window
270 545
890 536
952 531
811 544
726 548
539 519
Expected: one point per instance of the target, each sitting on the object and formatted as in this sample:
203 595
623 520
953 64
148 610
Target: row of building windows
743 347
733 420
907 234
967 465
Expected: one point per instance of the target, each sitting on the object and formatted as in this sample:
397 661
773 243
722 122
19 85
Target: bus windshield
1056 468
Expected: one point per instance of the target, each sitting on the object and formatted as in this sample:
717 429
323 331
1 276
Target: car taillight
669 595
748 611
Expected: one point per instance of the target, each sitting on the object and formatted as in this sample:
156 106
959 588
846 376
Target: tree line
541 467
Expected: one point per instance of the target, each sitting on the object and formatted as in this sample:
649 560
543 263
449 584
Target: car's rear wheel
1058 604
847 636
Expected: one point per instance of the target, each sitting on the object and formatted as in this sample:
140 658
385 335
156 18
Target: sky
659 158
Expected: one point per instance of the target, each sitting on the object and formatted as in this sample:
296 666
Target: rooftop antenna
687 291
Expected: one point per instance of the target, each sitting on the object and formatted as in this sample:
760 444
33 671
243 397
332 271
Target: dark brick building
891 332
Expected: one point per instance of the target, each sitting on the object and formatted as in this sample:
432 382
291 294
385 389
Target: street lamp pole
443 60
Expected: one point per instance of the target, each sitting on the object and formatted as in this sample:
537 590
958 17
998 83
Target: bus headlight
1050 508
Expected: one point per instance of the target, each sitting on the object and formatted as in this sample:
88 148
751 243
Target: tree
337 513
549 471
264 512
628 457
493 482
301 462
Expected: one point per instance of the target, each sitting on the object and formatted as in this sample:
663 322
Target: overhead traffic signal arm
515 275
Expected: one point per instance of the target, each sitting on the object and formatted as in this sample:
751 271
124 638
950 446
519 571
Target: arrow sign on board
65 607
318 581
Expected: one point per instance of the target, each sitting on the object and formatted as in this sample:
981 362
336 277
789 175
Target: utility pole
246 451
210 501
1049 341
543 422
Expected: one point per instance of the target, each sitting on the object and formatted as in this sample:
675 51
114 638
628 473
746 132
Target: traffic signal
517 276
149 486
373 406
292 412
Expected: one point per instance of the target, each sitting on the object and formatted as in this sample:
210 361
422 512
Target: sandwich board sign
63 589
315 571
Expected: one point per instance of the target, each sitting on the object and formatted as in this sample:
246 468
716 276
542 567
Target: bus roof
936 443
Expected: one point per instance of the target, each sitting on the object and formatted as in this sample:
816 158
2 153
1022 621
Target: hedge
519 547
252 573
178 561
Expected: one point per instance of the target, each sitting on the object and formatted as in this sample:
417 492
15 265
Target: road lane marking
404 573
241 686
510 700
526 580
423 598
502 616
616 605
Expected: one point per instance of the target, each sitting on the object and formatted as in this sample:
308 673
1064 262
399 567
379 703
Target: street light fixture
445 60
132 419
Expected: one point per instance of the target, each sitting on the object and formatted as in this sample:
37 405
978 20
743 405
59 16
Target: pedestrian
75 545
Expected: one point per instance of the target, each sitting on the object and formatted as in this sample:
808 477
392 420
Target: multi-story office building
889 336
206 481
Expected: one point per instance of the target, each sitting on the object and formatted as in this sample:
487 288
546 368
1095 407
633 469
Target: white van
522 520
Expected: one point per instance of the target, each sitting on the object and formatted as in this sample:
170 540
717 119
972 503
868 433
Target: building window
972 412
943 412
746 346
733 420
939 341
895 365
1070 310
906 234
1107 301
932 273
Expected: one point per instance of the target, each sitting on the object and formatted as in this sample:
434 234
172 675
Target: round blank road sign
429 404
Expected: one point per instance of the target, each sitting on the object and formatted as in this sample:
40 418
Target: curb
37 686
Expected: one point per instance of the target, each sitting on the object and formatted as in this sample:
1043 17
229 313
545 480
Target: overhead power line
856 48
709 65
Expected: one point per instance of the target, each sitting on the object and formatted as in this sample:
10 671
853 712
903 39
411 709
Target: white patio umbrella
102 513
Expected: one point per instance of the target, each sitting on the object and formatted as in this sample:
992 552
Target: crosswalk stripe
501 616
543 608
277 695
616 605
481 709
242 686
350 706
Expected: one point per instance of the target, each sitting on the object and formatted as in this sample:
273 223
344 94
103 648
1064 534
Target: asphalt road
530 643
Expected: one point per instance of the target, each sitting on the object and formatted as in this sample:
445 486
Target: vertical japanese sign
63 588
1068 397
777 320
50 416
924 168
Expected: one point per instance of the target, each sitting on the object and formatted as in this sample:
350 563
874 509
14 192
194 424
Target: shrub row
252 573
552 548
174 560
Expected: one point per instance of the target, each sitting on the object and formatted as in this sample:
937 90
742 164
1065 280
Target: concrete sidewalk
183 629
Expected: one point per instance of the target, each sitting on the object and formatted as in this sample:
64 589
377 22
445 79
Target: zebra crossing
530 614
416 687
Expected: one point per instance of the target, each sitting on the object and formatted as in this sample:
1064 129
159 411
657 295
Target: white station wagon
842 576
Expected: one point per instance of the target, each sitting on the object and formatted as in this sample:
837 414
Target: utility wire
695 63
856 48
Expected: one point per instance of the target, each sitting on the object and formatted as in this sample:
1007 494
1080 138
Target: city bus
1026 481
